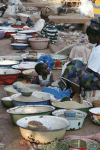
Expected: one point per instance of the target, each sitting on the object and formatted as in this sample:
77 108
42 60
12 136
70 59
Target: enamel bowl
56 128
19 38
86 109
14 58
8 76
8 63
10 31
19 112
57 56
95 115
75 122
19 46
27 32
44 99
7 102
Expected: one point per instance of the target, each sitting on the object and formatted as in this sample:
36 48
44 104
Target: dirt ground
9 133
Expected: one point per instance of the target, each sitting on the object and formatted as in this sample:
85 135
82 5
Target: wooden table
68 18
35 4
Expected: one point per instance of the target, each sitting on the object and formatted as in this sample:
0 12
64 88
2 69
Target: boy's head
42 68
93 31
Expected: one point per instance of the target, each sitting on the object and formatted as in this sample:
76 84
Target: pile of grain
37 125
70 104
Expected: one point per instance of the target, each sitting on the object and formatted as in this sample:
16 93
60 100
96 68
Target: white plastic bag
39 25
86 8
10 11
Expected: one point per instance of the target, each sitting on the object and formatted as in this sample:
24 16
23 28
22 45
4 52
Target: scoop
65 99
77 98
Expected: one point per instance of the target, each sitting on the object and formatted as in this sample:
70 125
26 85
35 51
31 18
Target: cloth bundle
48 60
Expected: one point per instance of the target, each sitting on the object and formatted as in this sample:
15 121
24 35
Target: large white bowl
25 65
21 36
8 63
56 128
75 123
27 32
43 99
19 112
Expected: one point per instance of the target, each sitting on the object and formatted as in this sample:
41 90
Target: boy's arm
51 80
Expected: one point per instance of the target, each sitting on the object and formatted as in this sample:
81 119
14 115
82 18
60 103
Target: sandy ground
10 134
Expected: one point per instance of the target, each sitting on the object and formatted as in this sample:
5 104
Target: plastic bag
21 8
86 8
10 11
39 25
57 92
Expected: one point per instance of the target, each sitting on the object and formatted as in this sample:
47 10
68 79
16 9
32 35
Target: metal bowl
57 56
82 109
27 32
7 102
8 63
56 128
25 65
19 46
14 58
19 112
75 122
29 75
44 99
18 38
8 76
